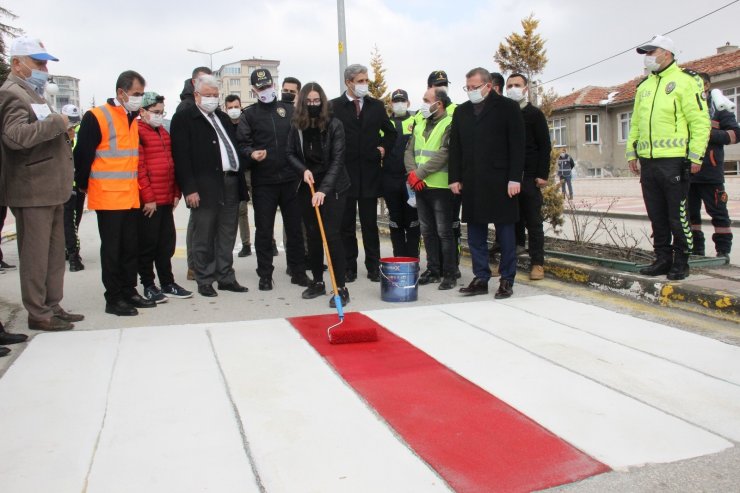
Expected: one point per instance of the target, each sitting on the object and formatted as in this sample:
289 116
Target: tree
523 53
8 30
552 199
378 87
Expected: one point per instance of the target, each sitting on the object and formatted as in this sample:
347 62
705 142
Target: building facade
234 78
69 91
594 122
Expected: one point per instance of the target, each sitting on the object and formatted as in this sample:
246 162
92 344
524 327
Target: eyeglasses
156 112
468 89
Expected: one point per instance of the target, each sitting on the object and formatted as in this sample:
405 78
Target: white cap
33 47
71 111
658 41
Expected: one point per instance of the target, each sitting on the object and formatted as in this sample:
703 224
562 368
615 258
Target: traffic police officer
708 185
668 133
403 218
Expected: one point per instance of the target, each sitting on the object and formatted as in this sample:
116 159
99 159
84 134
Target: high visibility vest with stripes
114 183
425 149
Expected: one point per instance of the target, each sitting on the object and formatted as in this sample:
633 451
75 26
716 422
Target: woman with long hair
316 150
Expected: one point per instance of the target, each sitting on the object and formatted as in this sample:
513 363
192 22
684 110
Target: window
232 70
624 126
732 168
594 172
732 95
234 82
592 129
252 94
558 134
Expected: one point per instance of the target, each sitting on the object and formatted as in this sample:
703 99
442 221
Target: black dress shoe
120 308
140 302
350 276
448 282
505 289
233 286
428 277
374 275
265 284
207 290
660 267
6 338
476 286
300 279
4 351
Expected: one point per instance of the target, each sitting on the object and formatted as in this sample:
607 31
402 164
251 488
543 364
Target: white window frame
732 94
235 82
559 132
589 123
625 119
595 172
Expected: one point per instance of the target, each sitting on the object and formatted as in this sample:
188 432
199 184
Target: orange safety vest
114 182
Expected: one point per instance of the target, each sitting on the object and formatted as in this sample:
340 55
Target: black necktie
227 144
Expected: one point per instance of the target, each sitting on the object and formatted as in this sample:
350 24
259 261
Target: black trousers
119 252
435 215
665 189
72 216
714 198
265 201
530 218
368 208
331 216
403 219
3 215
157 241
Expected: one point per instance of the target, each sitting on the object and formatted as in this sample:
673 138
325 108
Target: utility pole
342 45
210 53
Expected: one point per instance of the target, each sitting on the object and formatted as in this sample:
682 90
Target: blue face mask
38 78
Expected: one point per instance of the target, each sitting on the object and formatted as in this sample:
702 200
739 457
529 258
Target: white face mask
234 113
426 110
361 90
155 120
515 93
208 103
267 96
651 63
399 109
133 104
476 96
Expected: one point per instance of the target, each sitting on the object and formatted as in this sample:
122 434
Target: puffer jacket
156 168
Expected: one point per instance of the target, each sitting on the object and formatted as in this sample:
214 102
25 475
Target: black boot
680 268
698 248
75 263
660 267
343 295
246 250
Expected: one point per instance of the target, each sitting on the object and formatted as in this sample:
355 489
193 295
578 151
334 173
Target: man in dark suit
209 172
370 134
487 145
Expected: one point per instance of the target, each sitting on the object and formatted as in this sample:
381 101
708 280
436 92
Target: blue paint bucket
399 279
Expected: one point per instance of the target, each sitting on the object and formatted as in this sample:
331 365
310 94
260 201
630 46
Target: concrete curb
677 294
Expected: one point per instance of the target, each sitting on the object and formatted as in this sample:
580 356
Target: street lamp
211 53
342 45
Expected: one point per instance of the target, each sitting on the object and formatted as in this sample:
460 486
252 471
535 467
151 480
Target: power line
634 47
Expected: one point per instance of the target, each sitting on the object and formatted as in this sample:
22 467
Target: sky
97 40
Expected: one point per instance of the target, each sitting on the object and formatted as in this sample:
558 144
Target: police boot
660 267
75 262
680 268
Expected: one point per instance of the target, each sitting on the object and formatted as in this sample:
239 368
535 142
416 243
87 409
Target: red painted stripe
475 441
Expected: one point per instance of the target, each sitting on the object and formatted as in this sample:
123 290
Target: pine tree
523 53
8 30
377 86
552 199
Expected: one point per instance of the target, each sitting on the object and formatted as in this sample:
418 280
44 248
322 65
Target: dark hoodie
187 96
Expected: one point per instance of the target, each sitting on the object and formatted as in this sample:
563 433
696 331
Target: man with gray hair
369 135
35 180
209 176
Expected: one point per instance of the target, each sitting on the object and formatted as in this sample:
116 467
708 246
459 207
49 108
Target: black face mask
287 97
314 111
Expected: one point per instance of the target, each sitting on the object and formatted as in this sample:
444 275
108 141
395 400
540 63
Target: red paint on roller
475 441
349 335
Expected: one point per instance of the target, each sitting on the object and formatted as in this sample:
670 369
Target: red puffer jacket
156 167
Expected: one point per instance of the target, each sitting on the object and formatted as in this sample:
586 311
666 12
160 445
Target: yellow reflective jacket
670 117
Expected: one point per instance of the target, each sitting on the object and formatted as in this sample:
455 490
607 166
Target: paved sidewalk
629 207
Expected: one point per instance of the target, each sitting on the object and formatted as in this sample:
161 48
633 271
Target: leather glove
414 182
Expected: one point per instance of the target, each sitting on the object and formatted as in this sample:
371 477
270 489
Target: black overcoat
363 137
486 153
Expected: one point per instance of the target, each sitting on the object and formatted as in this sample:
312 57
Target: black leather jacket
336 178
